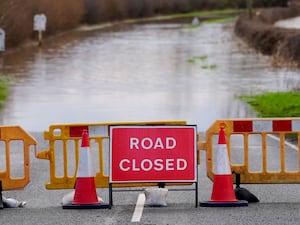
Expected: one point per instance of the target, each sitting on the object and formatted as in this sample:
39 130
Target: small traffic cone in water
223 194
85 196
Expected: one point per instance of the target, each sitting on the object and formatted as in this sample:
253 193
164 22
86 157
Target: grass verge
5 83
275 104
229 14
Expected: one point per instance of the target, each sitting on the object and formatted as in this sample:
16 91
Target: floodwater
140 72
291 23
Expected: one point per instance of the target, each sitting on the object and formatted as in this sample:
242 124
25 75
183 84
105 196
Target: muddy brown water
141 72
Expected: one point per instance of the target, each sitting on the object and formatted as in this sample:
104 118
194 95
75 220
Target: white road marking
286 142
138 211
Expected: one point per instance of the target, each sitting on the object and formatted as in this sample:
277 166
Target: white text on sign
156 164
148 143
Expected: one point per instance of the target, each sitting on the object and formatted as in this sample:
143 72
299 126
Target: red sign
153 154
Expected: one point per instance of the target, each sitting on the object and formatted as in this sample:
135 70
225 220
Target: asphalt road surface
279 204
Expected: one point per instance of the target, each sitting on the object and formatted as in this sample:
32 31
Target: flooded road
141 72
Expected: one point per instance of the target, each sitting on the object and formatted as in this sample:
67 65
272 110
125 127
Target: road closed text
156 164
157 153
147 143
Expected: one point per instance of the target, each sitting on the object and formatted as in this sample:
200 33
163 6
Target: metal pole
237 179
250 8
40 38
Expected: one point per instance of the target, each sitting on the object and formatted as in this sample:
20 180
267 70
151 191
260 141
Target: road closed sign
153 154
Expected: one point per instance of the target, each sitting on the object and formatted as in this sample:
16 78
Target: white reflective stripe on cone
222 161
85 163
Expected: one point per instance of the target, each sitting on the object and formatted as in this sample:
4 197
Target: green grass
192 14
211 21
203 62
221 20
200 13
191 26
275 104
202 58
209 67
3 89
5 83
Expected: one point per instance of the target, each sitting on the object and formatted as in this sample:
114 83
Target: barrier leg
1 201
243 193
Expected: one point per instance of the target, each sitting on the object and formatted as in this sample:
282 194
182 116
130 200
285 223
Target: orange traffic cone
223 192
85 196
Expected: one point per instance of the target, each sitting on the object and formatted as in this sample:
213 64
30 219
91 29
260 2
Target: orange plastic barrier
258 149
64 146
16 144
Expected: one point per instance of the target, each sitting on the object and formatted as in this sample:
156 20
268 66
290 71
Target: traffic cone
223 193
85 196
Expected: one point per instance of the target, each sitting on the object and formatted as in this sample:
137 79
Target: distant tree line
16 16
107 10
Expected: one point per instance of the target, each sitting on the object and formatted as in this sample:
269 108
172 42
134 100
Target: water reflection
137 73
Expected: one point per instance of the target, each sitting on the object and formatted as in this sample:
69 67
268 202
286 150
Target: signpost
155 154
2 40
2 49
39 24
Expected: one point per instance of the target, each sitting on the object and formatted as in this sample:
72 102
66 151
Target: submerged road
291 23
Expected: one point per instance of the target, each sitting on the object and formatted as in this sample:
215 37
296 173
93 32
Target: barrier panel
64 146
14 157
273 160
276 161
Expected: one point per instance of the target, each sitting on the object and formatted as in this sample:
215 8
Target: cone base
224 204
85 192
223 189
87 206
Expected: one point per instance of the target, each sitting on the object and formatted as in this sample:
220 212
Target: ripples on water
138 73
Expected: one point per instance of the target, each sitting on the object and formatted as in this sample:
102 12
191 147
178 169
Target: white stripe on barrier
295 125
262 126
96 131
